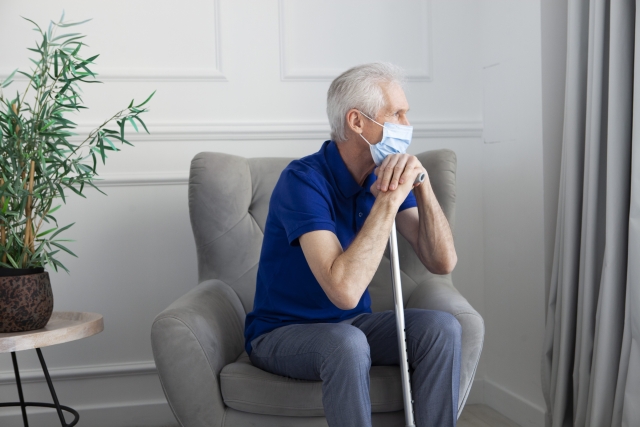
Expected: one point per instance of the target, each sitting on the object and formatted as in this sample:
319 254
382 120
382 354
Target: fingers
374 189
392 172
396 169
389 172
411 170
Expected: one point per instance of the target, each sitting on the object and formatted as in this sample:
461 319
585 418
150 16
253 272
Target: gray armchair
198 343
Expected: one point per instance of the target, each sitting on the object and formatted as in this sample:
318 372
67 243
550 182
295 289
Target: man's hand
426 228
396 170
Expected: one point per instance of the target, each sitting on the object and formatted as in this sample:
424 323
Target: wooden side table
64 326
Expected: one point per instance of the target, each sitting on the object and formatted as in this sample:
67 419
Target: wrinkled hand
397 171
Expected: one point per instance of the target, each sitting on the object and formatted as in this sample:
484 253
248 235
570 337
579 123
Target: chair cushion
249 389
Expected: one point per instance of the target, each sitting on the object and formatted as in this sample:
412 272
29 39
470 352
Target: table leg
53 391
19 383
56 405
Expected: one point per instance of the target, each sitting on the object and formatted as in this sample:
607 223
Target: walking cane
399 307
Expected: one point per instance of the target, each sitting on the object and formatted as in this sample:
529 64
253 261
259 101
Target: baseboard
81 372
138 414
114 395
130 395
521 411
476 394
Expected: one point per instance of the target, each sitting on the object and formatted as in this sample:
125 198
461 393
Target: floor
483 416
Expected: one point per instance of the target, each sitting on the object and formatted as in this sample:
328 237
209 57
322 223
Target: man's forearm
353 270
435 240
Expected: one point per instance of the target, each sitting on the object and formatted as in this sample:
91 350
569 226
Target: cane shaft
402 337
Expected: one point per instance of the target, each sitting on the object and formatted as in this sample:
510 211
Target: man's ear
355 121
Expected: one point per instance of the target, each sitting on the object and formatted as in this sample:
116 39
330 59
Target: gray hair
359 87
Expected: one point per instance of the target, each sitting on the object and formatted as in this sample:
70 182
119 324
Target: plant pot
26 300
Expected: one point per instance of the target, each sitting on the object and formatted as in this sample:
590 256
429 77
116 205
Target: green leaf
62 229
71 24
8 80
62 36
52 210
75 190
91 184
86 61
11 260
44 233
142 123
146 100
133 123
61 192
58 245
57 264
113 147
29 76
46 126
27 19
76 50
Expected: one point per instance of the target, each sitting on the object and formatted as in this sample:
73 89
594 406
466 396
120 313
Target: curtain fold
626 406
591 355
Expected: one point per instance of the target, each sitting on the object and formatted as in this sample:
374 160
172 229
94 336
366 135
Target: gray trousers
341 354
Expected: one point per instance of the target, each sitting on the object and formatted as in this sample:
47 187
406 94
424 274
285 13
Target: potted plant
41 161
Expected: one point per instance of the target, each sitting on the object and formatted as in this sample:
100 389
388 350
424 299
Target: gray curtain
591 357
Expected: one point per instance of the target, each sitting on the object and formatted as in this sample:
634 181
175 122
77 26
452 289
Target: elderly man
329 221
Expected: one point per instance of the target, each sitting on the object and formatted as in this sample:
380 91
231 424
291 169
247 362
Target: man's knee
348 345
441 325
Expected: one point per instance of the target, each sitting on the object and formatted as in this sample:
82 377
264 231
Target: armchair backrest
228 204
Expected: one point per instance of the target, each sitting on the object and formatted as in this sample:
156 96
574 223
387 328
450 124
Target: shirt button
360 214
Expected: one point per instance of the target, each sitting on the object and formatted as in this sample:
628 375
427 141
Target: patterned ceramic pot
26 300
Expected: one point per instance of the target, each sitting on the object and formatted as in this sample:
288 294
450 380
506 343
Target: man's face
394 111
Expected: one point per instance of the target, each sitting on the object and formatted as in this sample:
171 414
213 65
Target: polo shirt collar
345 182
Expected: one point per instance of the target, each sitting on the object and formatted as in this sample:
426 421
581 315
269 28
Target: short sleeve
409 202
302 204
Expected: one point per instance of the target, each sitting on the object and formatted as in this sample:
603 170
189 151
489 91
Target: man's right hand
397 172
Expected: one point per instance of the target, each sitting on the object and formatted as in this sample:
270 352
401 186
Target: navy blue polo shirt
316 192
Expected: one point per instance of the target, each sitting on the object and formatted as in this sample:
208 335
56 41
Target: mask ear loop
370 118
365 139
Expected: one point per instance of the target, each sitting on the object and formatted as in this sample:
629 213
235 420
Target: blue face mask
395 140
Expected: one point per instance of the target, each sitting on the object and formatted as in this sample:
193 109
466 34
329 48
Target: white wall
513 209
249 77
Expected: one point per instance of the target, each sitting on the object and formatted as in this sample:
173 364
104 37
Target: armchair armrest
192 340
438 293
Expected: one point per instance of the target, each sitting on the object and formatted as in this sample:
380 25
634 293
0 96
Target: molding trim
174 75
146 75
327 74
81 372
142 179
248 131
259 131
163 75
